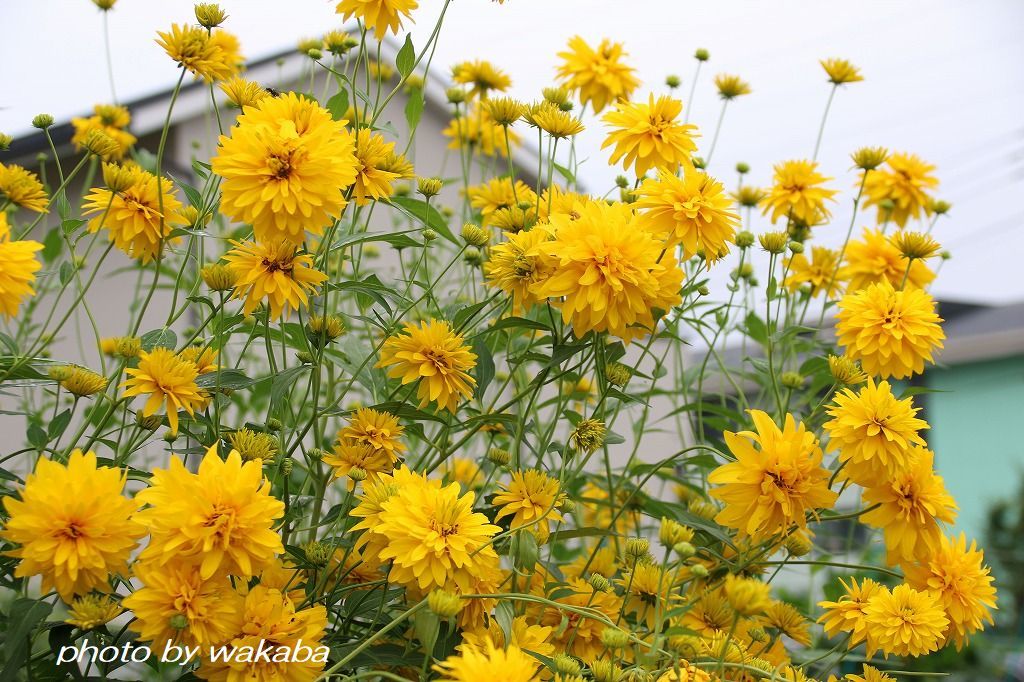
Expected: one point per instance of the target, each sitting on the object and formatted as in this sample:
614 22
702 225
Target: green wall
977 434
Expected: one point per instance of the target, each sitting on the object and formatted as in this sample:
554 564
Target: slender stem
824 117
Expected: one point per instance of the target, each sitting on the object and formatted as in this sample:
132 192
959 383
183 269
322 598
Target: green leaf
159 338
283 381
51 245
23 618
484 365
565 173
338 105
414 108
59 423
36 436
505 613
426 214
400 240
406 59
755 328
71 225
226 378
67 271
516 323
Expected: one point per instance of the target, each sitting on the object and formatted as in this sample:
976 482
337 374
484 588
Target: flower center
280 165
277 266
72 531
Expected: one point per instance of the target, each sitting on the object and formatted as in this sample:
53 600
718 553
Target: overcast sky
943 79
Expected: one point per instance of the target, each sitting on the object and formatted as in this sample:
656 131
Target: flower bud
795 247
274 424
702 55
742 168
286 466
703 290
774 242
218 277
845 370
5 142
599 582
792 380
673 81
318 554
684 549
150 423
525 551
744 238
42 121
637 548
621 181
99 143
357 474
588 435
614 638
499 457
474 235
798 544
699 571
455 95
618 374
429 187
605 671
757 633
869 158
178 621
564 664
472 256
672 532
429 235
940 207
210 15
443 603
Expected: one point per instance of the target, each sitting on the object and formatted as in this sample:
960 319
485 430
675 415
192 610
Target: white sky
944 79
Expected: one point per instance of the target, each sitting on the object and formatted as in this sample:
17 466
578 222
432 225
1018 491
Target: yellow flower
380 15
531 499
464 471
504 110
874 431
72 524
746 596
483 76
515 267
693 210
285 168
348 455
577 634
219 518
212 56
647 136
492 663
139 219
905 182
92 611
597 75
476 131
608 271
686 672
788 621
203 357
910 506
243 93
846 616
498 193
730 86
771 487
874 258
109 119
209 610
840 71
167 380
819 271
435 356
273 272
915 245
18 268
379 430
522 634
649 592
22 188
797 193
603 561
557 123
870 674
892 333
80 381
272 620
432 534
373 179
957 573
904 622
